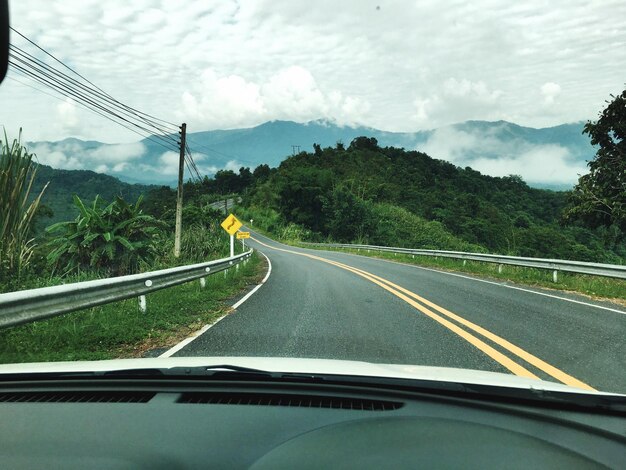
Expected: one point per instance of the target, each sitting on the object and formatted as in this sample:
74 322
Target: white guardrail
555 265
35 304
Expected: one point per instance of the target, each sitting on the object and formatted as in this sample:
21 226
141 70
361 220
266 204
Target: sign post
231 224
242 236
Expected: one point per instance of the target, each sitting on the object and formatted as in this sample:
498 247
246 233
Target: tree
245 178
599 198
226 182
317 149
261 173
364 143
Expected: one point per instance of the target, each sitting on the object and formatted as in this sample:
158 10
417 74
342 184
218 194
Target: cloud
118 152
457 101
233 165
168 164
491 153
71 155
67 118
547 164
550 91
400 67
457 145
290 94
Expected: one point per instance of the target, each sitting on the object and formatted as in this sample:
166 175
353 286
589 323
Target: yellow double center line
411 298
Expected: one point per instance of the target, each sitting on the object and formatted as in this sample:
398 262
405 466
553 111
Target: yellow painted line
473 340
521 353
491 352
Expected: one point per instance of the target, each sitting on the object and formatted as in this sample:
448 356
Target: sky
391 65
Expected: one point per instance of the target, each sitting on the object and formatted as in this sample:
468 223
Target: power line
96 100
86 80
35 88
192 163
90 97
105 98
79 97
212 150
142 134
94 105
61 80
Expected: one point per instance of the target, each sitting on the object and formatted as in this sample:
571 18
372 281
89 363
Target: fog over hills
550 157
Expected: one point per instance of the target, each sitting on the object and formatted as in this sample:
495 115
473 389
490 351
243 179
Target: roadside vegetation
105 239
121 330
17 210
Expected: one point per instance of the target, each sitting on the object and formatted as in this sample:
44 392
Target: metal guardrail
36 304
555 265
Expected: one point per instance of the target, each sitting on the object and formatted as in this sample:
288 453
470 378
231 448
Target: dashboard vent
76 397
299 401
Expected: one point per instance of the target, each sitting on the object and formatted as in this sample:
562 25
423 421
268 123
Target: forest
389 196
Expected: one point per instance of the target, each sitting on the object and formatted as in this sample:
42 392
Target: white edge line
488 282
188 340
205 328
249 294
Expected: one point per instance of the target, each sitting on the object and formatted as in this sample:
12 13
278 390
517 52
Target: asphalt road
311 308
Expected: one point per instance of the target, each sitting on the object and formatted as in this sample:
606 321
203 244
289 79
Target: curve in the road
410 298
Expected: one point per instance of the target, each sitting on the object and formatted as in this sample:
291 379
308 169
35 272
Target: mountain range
551 157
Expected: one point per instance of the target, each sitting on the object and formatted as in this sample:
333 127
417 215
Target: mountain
549 157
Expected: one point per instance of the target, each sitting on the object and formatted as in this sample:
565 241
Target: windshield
404 183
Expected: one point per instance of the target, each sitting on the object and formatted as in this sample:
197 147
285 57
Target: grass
594 286
120 330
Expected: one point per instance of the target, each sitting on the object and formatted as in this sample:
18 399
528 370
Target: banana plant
115 238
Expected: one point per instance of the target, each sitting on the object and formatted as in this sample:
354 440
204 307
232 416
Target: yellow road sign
231 224
241 235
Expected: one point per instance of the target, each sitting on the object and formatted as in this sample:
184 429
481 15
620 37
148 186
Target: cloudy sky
392 65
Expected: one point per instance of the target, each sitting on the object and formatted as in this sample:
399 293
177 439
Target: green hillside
63 184
370 194
390 196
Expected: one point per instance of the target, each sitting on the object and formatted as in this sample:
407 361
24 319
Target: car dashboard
170 423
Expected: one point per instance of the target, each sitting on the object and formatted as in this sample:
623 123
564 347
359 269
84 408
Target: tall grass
17 211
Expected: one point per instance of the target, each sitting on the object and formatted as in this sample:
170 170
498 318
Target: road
223 205
320 304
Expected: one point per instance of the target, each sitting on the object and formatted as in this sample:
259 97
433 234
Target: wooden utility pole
179 194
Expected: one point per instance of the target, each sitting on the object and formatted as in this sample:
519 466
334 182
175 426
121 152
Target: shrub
116 238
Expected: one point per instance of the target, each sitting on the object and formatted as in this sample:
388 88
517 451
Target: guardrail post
142 304
203 282
464 262
555 276
500 266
